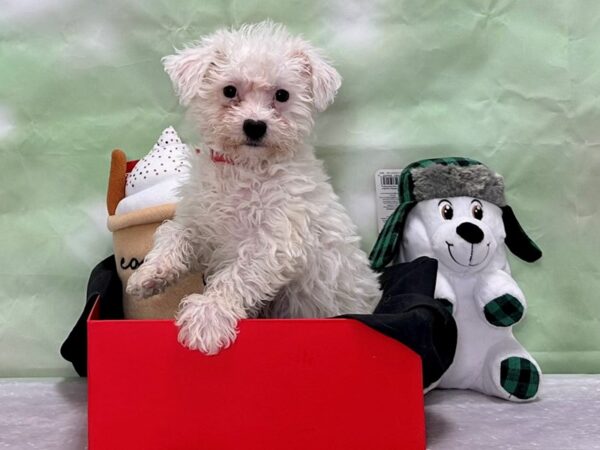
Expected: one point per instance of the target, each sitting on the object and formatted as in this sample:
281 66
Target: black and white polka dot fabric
166 159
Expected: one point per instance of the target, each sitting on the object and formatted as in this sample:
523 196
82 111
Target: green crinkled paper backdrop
515 84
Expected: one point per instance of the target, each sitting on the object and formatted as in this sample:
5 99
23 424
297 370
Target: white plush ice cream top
156 177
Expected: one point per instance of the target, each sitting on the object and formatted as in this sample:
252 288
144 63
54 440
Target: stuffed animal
141 195
454 210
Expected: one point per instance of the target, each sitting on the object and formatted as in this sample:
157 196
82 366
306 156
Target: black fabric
104 282
517 240
408 313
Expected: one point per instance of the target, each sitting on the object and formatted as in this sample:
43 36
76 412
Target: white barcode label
386 190
388 180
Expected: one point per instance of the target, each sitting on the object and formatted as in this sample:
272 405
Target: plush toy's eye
229 91
282 95
477 210
446 209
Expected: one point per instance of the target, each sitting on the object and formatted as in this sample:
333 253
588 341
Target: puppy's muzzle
254 129
470 232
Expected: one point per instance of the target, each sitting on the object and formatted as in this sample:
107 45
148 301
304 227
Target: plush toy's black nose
254 129
470 232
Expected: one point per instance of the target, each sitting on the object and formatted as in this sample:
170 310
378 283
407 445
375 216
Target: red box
284 385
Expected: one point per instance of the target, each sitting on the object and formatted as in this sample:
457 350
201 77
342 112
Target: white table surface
50 413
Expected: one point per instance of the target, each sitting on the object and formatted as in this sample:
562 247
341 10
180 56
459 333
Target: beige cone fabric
132 238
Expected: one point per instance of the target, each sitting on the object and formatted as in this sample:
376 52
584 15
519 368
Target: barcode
389 180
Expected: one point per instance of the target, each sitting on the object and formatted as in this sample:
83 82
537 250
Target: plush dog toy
454 209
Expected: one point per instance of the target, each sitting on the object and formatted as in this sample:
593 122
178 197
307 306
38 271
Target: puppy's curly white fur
261 219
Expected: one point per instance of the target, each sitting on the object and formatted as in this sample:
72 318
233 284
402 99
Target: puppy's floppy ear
324 78
517 240
187 69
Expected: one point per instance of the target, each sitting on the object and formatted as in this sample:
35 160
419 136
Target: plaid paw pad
519 377
504 311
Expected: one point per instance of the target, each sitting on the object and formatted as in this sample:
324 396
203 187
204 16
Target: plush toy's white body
466 236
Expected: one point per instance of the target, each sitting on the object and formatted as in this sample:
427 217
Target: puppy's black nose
254 129
470 232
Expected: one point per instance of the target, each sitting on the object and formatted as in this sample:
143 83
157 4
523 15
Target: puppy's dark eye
446 210
229 91
477 210
282 95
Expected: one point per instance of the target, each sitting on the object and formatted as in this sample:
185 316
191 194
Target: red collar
217 157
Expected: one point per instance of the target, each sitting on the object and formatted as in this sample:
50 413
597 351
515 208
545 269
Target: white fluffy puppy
258 215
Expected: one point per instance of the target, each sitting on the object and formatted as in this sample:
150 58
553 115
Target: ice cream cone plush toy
454 210
141 195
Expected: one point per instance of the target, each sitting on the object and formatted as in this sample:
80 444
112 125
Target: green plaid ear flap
388 243
517 240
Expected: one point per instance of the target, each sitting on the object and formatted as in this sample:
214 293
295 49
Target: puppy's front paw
504 311
206 324
148 280
501 301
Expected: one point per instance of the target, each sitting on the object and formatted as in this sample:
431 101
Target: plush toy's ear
517 240
325 79
187 69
